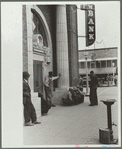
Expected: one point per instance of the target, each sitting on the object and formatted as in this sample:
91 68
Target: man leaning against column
48 84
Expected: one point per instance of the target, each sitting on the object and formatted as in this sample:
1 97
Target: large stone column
62 46
73 45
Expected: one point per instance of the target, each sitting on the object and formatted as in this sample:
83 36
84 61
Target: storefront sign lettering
90 23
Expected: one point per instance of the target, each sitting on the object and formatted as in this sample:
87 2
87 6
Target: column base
57 95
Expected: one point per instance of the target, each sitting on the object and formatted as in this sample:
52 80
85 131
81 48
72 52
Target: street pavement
74 125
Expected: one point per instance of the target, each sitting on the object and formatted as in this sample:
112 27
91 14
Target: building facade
50 44
101 61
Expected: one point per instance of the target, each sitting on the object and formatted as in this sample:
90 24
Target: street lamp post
113 72
87 83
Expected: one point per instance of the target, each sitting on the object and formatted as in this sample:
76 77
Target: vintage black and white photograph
70 73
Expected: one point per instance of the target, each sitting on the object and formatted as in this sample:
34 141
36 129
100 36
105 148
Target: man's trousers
49 95
93 96
29 112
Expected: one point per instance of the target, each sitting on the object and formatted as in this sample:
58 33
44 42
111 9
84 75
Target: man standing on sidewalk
29 110
48 84
93 89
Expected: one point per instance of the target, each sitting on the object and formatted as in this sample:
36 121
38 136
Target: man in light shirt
49 87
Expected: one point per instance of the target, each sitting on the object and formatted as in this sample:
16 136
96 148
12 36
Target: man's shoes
91 105
29 124
37 122
96 104
53 105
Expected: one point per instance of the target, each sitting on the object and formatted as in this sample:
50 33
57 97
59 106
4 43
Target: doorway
38 76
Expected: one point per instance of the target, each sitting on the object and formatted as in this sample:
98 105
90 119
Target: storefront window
92 64
115 63
89 64
82 65
108 63
97 64
103 64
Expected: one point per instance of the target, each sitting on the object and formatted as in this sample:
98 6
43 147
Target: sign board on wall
90 23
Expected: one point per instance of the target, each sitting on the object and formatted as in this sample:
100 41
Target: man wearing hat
48 84
93 89
29 110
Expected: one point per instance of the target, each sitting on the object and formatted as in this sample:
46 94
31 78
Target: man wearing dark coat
93 89
29 110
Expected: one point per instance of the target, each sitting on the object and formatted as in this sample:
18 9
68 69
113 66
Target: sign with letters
90 23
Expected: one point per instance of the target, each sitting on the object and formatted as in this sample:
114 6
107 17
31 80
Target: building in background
50 44
100 61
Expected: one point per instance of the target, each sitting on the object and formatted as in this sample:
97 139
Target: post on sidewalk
113 72
111 140
87 83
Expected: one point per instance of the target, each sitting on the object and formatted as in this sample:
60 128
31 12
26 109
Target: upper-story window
38 28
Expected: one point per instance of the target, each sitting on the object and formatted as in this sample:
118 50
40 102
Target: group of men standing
29 110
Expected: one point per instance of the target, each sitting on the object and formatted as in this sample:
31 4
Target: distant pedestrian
48 84
116 79
29 110
111 79
93 89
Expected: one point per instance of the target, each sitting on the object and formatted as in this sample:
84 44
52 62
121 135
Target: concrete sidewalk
74 125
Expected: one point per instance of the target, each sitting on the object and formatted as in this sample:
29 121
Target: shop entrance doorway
38 76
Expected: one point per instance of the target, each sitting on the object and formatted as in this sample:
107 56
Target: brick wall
25 47
72 45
